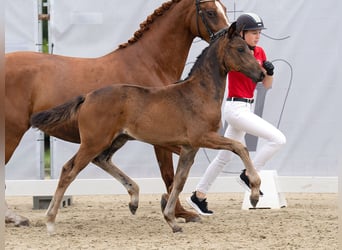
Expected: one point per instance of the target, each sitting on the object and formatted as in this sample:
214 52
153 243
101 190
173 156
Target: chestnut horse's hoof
163 201
18 220
132 208
177 229
189 216
195 218
24 222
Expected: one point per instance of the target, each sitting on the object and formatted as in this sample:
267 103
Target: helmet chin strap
250 47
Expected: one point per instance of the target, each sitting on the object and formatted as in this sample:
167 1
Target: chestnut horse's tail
49 119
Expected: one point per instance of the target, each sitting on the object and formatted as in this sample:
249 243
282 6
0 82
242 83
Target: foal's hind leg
104 161
128 183
164 158
69 172
65 179
185 162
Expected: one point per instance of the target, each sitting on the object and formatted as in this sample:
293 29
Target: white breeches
242 120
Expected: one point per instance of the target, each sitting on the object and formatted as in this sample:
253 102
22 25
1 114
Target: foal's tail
49 119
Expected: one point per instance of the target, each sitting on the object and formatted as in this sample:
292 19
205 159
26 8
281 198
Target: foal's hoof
254 197
50 227
132 208
254 201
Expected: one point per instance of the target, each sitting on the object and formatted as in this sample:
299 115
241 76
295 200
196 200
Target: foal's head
237 56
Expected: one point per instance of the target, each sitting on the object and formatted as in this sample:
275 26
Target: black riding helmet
249 21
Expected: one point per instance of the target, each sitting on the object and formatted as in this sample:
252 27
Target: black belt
239 99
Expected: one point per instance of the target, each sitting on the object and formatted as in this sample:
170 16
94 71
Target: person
241 120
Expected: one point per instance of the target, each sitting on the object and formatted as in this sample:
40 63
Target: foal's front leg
186 159
215 141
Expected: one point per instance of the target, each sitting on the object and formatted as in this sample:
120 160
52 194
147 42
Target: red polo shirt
240 85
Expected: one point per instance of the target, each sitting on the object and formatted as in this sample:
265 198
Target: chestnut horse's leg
14 133
164 158
215 141
186 159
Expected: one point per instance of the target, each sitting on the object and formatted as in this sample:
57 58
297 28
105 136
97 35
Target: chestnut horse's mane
144 26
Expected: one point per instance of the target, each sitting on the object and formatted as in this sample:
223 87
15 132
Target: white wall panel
22 33
301 40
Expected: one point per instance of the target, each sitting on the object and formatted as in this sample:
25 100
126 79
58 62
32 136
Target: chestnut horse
155 56
189 113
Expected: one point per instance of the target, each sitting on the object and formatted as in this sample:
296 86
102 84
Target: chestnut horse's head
238 56
209 18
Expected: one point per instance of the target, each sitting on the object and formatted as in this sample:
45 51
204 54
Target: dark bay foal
186 114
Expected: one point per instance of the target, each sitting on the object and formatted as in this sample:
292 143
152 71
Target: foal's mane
144 26
218 35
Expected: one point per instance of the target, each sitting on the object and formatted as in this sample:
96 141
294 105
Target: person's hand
269 67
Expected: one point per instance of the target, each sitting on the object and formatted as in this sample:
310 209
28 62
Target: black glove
268 66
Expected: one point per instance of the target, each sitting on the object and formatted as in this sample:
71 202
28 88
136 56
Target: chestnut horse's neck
163 41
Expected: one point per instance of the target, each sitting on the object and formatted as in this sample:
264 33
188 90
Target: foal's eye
240 49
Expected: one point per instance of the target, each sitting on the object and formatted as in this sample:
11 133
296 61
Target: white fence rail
287 184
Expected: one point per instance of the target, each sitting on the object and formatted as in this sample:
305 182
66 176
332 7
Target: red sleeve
260 54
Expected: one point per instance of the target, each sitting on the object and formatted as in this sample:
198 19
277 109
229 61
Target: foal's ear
232 30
